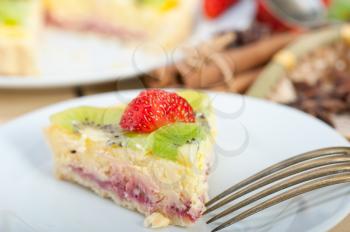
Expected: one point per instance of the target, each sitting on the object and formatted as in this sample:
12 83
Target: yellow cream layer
114 12
13 32
186 176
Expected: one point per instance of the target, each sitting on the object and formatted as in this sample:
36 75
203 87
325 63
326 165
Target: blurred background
287 51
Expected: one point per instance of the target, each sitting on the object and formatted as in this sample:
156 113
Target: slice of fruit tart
164 22
152 155
20 22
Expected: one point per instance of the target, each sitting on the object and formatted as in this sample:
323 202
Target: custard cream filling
186 175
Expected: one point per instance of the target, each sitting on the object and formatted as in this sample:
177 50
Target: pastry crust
19 57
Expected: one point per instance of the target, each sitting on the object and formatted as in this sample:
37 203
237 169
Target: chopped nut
342 124
322 82
285 92
345 33
156 220
286 58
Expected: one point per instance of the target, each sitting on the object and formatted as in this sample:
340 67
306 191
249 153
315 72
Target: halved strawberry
155 108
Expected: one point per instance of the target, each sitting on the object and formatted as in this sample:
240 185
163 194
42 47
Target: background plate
68 59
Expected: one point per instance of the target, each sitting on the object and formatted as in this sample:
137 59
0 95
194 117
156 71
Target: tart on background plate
86 49
165 23
162 22
152 156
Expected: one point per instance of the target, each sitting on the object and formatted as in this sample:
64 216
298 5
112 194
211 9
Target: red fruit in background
214 8
155 108
268 16
327 2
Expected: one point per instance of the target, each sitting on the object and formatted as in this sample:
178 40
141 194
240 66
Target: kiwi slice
13 12
199 101
156 3
165 141
161 5
71 118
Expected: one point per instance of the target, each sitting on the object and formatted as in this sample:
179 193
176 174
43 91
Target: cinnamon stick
221 87
162 77
238 59
240 83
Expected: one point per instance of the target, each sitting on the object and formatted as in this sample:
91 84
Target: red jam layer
136 190
96 26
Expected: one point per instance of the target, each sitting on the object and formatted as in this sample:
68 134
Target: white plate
252 134
68 59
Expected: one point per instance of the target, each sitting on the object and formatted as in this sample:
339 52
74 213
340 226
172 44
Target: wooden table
14 103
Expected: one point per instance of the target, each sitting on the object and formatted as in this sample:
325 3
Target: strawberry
155 108
214 8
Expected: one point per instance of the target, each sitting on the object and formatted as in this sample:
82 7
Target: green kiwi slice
155 3
13 12
87 115
199 101
165 141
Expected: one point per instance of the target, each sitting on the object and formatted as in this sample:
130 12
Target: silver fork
307 172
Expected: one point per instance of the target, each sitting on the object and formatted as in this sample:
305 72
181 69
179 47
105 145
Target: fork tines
309 171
